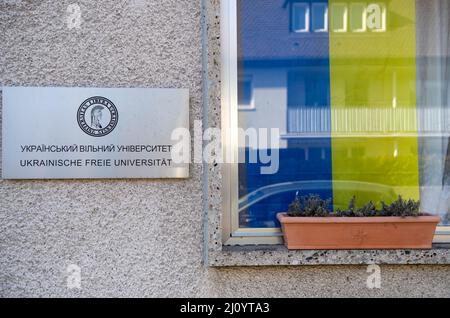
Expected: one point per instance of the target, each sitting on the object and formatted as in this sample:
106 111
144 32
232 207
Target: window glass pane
319 17
358 17
362 114
300 17
245 92
339 17
433 104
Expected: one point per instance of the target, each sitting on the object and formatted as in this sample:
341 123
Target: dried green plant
315 206
309 206
401 208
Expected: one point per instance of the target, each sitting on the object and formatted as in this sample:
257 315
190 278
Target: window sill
279 255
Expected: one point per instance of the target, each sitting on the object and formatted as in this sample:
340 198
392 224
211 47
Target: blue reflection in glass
290 91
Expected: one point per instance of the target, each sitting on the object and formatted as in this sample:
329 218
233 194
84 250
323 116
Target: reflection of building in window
344 103
339 17
300 17
319 17
245 93
358 16
308 99
353 17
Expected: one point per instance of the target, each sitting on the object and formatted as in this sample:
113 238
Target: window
359 112
300 17
245 93
358 16
319 17
339 17
304 19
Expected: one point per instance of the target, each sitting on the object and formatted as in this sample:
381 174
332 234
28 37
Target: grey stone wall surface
139 238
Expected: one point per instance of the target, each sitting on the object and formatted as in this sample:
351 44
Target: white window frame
232 234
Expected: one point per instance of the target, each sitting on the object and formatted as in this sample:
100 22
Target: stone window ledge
279 255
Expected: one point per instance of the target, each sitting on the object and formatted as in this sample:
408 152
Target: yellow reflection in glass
373 101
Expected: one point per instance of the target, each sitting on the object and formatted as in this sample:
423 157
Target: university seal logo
97 116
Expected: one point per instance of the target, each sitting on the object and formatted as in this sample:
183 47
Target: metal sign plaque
92 133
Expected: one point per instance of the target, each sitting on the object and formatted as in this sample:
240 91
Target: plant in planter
310 224
312 206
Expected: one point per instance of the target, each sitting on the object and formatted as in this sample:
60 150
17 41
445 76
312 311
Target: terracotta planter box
335 233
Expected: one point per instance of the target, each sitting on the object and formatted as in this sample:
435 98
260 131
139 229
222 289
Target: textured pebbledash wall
138 238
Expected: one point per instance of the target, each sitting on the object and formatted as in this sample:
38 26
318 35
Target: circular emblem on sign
97 116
